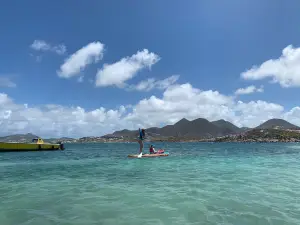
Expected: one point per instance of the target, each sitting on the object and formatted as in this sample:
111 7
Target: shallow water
203 183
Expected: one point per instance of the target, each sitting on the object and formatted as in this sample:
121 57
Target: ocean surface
202 183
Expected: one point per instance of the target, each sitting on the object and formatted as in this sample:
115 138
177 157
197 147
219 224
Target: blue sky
207 44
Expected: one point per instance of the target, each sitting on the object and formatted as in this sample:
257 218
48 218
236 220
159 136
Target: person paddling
141 138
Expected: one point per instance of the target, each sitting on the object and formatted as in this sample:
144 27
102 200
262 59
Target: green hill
227 125
198 128
277 123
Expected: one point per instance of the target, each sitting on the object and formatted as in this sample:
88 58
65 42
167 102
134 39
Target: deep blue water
199 183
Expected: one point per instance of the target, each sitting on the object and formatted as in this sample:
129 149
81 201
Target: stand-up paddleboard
149 155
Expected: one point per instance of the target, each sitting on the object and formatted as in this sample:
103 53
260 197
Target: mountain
245 129
124 132
198 128
277 123
202 128
152 131
185 129
226 125
194 129
18 138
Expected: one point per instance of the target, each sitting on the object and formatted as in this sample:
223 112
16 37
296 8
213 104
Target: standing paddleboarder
141 138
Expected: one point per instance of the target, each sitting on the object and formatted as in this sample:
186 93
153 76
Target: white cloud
56 120
185 101
41 45
125 69
6 82
178 101
4 99
293 115
151 83
285 70
77 62
249 90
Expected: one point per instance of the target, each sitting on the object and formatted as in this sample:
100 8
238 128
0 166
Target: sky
89 68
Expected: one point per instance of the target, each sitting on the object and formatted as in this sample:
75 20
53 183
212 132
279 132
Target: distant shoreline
251 136
191 141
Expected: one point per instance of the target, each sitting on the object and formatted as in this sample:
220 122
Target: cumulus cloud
177 102
152 83
4 99
185 101
293 115
125 69
56 120
6 82
249 90
41 45
77 62
180 101
285 70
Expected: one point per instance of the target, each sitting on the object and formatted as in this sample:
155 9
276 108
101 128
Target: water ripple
197 184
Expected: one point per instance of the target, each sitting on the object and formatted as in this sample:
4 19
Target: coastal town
274 130
263 135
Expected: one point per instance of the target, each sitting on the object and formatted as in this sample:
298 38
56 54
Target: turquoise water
238 184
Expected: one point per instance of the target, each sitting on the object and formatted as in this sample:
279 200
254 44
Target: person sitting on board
152 150
141 138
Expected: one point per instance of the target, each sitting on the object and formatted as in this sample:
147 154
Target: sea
198 183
